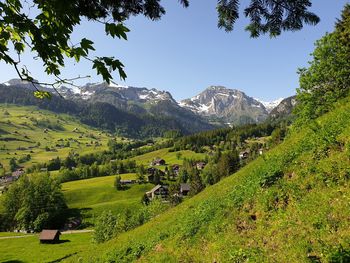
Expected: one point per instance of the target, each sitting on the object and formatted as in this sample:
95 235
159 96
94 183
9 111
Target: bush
105 227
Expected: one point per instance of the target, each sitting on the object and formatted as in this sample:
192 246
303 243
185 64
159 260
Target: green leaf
117 30
42 94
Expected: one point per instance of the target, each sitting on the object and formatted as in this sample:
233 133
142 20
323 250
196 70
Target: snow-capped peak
270 105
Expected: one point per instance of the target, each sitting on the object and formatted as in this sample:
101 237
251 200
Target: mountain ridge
216 104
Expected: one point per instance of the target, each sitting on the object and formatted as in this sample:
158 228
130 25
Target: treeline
327 79
231 137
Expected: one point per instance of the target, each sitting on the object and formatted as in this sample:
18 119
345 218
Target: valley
103 172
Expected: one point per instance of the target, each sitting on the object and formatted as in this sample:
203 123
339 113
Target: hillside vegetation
292 202
43 135
92 196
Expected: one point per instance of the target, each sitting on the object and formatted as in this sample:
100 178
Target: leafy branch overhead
47 34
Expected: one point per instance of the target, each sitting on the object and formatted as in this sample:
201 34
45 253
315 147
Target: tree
117 183
196 182
327 79
228 163
13 164
105 227
34 202
47 32
141 171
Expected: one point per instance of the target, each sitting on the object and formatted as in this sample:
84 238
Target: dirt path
15 236
63 233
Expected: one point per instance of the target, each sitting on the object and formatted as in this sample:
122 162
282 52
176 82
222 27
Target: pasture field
169 157
91 196
28 248
44 135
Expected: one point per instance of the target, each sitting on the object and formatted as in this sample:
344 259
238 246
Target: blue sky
185 52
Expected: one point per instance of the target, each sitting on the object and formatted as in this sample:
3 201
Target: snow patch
270 105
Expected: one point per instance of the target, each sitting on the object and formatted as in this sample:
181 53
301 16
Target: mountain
270 105
136 112
216 104
229 105
284 108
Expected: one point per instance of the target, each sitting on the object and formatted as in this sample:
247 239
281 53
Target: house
126 182
184 189
16 174
49 236
72 224
261 151
43 170
158 191
244 155
158 161
176 168
151 171
200 165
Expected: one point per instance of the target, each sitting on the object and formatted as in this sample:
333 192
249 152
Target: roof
155 188
49 234
184 187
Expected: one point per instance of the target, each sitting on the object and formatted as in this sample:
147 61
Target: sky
185 52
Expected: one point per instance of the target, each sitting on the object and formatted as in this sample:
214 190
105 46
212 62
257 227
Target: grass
169 157
23 127
92 196
291 203
28 249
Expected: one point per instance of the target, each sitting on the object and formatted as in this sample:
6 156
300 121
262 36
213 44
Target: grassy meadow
29 249
92 196
169 157
28 130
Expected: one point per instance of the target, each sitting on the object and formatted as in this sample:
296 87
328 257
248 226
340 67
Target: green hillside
169 157
290 205
43 135
28 248
92 196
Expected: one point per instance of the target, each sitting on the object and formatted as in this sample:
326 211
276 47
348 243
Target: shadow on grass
80 213
63 258
13 261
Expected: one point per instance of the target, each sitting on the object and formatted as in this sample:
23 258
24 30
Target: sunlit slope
290 205
43 135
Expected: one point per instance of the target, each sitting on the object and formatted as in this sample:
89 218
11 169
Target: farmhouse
49 236
16 174
126 182
244 154
176 169
158 161
200 165
152 171
158 191
184 189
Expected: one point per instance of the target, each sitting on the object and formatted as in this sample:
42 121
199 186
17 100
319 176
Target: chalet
244 155
72 224
176 169
126 182
152 171
49 236
157 162
16 174
184 189
158 191
200 165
